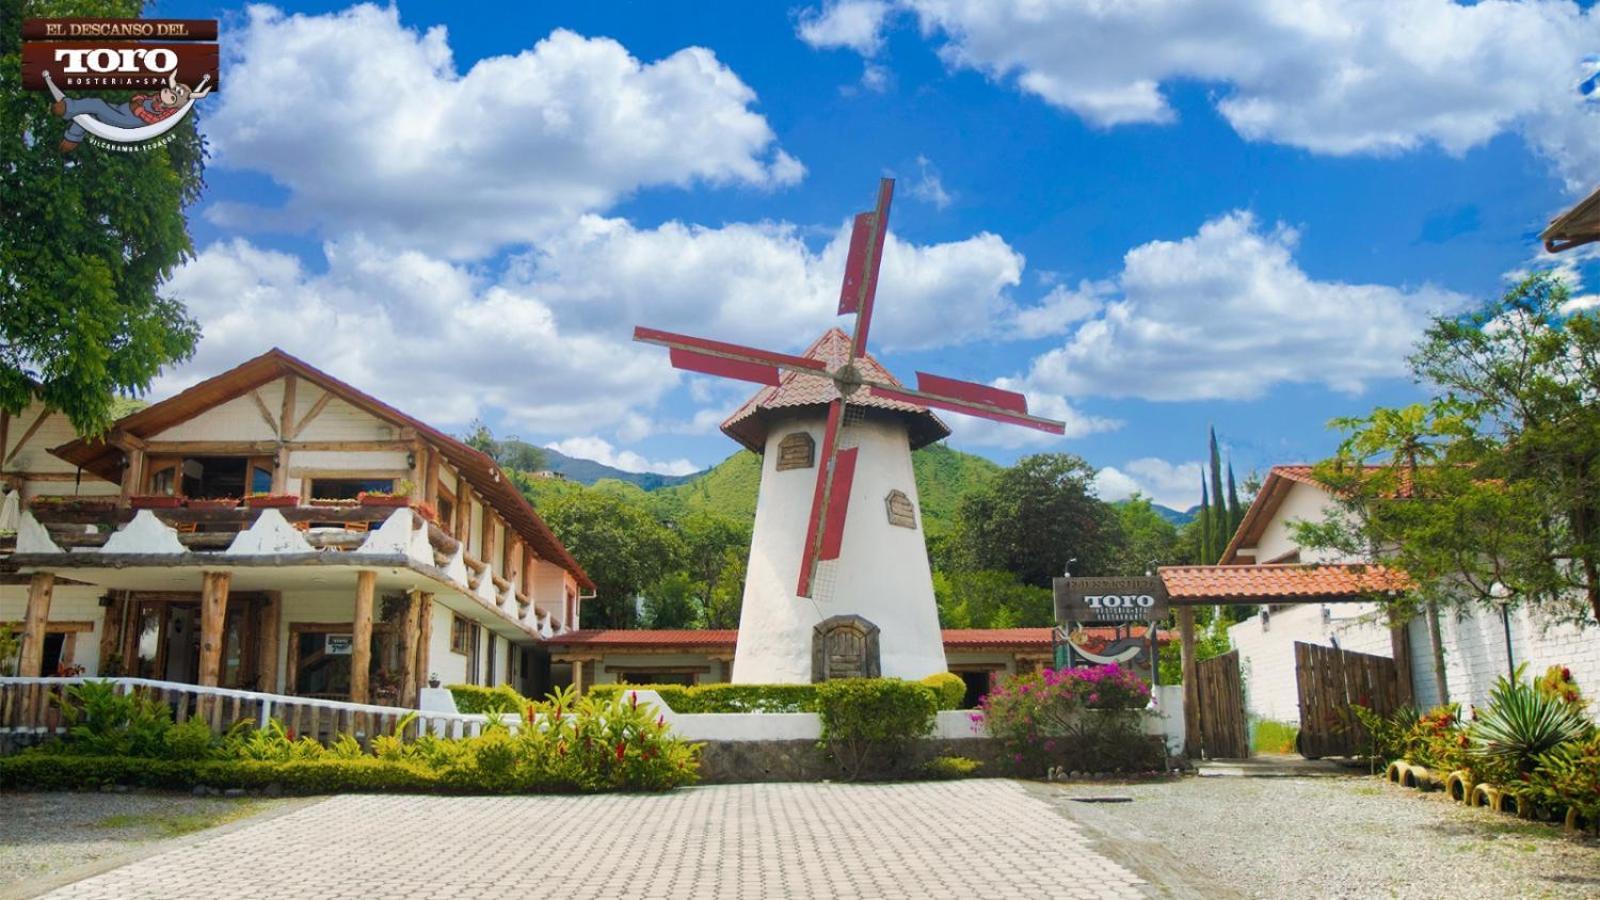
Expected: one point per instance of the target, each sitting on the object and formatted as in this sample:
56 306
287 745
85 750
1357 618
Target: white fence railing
31 706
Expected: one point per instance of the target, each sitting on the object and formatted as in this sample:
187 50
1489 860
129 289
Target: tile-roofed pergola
1280 583
796 390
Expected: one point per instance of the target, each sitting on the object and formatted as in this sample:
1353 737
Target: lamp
411 459
1502 598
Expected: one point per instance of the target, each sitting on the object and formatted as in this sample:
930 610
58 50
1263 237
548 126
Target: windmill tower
838 582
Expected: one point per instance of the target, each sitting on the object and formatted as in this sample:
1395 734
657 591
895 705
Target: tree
991 599
511 454
1492 487
672 602
1149 540
1217 518
1034 517
622 547
726 600
707 539
86 242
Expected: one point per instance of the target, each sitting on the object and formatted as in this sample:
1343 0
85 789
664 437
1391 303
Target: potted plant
433 679
72 503
427 511
331 502
214 503
383 498
274 501
156 501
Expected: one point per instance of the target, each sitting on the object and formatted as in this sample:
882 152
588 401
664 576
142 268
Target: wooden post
1441 680
213 612
361 636
31 657
116 603
408 649
577 675
133 473
1191 684
1400 649
267 626
424 642
430 484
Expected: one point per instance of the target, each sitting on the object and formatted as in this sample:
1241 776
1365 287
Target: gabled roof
105 459
1280 480
748 423
1575 227
1279 582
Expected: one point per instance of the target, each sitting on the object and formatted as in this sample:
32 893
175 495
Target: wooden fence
32 706
1224 733
1331 681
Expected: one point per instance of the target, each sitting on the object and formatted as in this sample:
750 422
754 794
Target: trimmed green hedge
868 723
475 699
947 690
63 771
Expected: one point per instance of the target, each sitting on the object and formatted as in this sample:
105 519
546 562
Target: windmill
838 373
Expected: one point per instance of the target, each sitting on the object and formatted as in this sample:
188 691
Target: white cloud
761 284
601 451
1175 486
1228 314
1060 308
853 24
424 334
929 186
1332 76
371 128
973 431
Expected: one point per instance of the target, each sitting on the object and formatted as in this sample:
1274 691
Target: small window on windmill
901 512
796 451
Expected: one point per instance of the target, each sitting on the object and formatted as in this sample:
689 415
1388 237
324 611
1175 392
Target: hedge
948 691
476 699
62 771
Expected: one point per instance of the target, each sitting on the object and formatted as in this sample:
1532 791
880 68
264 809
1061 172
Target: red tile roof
797 389
1267 583
996 638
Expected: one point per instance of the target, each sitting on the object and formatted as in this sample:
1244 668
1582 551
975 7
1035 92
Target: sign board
1140 599
339 644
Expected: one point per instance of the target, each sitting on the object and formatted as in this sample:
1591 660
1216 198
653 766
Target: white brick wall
1266 649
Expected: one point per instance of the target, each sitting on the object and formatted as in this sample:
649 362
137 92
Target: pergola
1281 584
1577 226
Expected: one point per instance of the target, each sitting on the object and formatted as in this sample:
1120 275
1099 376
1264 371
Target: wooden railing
32 706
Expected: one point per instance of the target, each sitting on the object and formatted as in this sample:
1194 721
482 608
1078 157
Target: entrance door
1224 733
844 647
1330 681
163 640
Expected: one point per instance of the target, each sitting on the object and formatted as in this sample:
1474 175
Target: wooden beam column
31 656
267 626
424 656
408 649
1400 649
1191 683
133 473
116 604
361 635
213 612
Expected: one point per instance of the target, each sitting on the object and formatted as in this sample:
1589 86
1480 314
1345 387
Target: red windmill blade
830 499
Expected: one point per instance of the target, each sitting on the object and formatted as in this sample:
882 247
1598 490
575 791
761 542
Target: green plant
1557 682
1386 735
867 722
1271 736
1084 718
479 700
1520 724
100 720
1568 777
951 767
192 739
949 689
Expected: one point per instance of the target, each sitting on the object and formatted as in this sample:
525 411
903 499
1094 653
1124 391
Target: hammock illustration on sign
115 123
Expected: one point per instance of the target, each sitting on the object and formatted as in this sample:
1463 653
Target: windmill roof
795 390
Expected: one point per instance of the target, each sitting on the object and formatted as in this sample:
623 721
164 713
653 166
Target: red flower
621 748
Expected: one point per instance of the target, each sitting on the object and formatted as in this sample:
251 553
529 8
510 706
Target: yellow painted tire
1419 777
1396 772
1459 785
1486 796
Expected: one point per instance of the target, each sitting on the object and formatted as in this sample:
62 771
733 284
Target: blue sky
1150 219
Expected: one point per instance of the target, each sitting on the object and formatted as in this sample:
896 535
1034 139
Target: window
447 511
348 488
490 676
458 635
207 477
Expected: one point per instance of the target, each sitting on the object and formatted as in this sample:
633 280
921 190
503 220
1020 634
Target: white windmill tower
838 581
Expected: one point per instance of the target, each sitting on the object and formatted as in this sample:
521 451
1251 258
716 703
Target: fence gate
1331 681
1223 733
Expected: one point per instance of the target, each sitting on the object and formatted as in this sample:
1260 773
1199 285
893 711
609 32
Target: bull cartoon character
144 117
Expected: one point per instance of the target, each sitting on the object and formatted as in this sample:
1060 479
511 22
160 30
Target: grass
1273 737
177 824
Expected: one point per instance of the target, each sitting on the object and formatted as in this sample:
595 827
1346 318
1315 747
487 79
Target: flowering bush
1557 683
1085 718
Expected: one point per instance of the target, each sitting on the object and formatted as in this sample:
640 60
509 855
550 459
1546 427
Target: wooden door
1224 732
1330 682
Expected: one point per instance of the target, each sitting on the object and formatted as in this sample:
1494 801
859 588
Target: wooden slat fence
1224 733
1330 682
32 706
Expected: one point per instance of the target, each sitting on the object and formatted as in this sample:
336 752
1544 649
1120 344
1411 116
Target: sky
1150 218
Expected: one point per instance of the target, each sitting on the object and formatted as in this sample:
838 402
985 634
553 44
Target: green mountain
587 471
729 488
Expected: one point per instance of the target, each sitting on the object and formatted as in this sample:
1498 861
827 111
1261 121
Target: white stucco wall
1266 649
882 573
1303 503
68 603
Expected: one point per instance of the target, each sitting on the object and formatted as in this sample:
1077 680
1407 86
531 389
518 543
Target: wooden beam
312 413
5 433
127 440
286 426
44 414
1191 684
31 656
266 414
1400 650
424 641
133 473
431 480
213 612
268 624
116 606
361 635
408 649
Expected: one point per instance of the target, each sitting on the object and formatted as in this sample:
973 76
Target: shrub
1557 682
1520 724
867 722
1568 777
190 740
1085 718
951 767
949 689
475 699
1270 736
101 721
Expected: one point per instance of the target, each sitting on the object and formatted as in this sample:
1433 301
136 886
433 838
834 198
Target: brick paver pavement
956 839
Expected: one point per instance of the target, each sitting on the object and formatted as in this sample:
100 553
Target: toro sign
1110 599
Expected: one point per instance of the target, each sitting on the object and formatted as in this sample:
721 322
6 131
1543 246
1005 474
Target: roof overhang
1577 226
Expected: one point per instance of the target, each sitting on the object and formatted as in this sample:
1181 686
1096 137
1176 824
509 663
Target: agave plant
1521 723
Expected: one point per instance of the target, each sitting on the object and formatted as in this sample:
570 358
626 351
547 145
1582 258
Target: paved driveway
961 839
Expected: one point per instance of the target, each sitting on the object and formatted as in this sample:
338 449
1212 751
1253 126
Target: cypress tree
1219 518
1235 513
1205 522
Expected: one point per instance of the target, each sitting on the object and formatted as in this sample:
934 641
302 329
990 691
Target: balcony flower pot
271 501
74 504
389 500
156 501
215 503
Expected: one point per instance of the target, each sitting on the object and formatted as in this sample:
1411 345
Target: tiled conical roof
748 424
